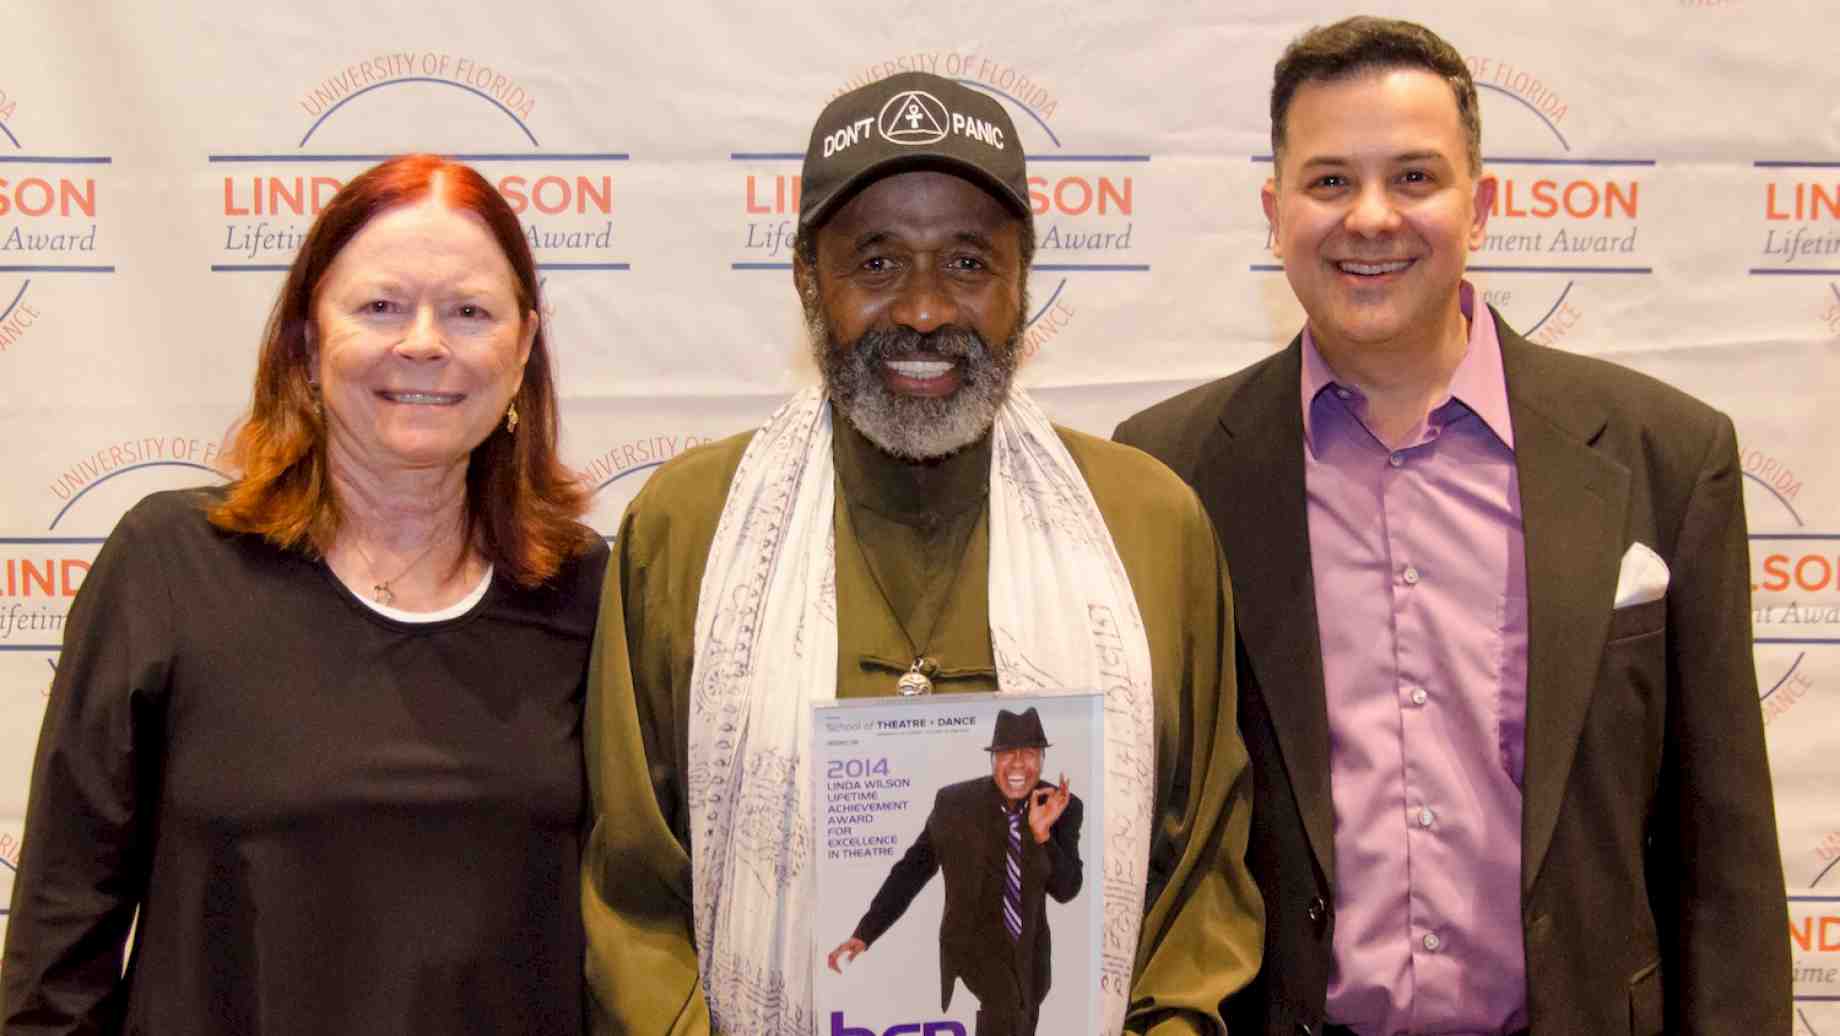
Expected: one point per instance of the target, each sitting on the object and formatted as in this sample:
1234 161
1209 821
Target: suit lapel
1574 504
989 841
1257 452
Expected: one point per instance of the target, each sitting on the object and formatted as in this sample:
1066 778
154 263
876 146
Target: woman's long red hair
522 503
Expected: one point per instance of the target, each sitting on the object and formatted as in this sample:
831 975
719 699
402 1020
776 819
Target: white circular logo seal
912 118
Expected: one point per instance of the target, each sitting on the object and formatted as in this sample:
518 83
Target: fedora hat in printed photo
1017 731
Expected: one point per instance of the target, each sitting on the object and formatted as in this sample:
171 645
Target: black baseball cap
913 120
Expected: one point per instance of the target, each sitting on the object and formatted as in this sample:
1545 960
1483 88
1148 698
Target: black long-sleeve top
328 821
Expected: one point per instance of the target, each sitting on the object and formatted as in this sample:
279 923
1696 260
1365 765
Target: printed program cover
922 903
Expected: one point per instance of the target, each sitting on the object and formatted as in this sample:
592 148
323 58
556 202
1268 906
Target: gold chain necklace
380 591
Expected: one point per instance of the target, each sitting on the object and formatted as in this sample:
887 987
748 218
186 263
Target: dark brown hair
521 502
1355 46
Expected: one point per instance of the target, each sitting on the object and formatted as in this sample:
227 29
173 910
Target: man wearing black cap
914 523
1004 843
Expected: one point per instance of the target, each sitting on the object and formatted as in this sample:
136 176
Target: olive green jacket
1203 929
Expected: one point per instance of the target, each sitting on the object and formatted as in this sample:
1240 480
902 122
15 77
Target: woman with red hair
315 736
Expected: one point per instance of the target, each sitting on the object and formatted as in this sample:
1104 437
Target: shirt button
1418 695
1396 459
1432 942
1410 575
1343 393
1425 817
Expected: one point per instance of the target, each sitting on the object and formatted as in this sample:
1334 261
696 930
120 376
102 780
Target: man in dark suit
1004 842
1493 617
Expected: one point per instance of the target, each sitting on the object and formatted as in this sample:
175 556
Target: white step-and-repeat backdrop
1670 198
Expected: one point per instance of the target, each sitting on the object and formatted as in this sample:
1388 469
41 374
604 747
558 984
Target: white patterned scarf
1062 617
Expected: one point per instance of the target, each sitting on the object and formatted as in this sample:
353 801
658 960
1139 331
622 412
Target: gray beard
910 427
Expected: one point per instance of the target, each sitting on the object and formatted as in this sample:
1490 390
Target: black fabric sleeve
1716 876
1065 871
905 879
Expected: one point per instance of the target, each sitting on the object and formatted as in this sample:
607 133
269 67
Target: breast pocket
1638 620
1631 704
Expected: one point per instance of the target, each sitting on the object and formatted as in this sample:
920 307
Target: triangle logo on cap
907 121
913 117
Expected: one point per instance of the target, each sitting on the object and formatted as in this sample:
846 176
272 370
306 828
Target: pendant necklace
914 682
918 678
380 591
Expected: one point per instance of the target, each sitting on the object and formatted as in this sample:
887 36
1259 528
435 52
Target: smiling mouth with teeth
1373 269
423 398
920 368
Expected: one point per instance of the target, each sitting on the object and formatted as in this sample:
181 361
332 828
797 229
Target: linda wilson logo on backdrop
41 569
1798 215
1814 944
53 211
1795 584
1795 599
417 100
1085 204
1564 225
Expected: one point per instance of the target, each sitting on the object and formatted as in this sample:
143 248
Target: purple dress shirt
1421 603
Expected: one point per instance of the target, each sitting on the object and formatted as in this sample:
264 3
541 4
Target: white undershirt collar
452 611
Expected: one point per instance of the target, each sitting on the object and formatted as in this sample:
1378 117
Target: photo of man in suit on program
1004 842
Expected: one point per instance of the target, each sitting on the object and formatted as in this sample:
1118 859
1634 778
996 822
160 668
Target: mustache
948 342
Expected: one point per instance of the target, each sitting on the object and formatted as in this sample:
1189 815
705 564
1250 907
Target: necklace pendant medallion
382 594
913 682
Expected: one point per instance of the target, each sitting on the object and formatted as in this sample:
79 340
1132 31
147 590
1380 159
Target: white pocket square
1641 578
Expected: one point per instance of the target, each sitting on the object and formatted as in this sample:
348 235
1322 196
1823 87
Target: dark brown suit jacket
1652 893
967 837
